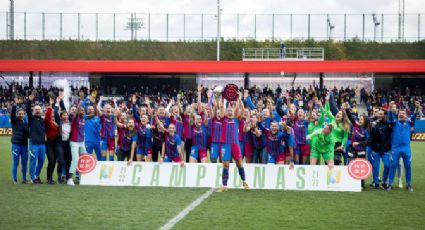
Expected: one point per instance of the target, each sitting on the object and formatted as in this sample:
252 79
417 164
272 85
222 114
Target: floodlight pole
402 33
12 20
218 29
376 23
401 15
399 20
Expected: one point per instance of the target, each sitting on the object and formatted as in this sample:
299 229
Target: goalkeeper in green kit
322 144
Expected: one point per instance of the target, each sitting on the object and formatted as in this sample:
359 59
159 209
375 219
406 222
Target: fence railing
199 27
252 54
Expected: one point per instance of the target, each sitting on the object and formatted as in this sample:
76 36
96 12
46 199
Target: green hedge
230 50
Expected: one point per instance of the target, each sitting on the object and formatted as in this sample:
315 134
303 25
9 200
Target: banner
5 131
418 137
196 175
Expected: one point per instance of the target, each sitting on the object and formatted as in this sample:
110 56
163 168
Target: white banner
258 176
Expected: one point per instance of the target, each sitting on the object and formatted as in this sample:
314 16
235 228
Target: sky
193 27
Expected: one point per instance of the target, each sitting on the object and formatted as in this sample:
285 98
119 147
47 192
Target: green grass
83 207
196 50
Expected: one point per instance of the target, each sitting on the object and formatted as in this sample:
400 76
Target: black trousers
54 152
122 155
187 148
67 156
155 151
338 155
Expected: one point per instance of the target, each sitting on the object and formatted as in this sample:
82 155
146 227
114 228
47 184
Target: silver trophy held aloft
218 91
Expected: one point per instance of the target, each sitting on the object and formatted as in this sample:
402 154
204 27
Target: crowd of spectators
161 95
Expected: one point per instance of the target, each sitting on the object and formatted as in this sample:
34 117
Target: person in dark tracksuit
19 142
37 136
380 144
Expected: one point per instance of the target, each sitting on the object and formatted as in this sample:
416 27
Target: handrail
283 54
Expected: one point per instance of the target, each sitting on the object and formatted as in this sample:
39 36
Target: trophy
230 92
218 91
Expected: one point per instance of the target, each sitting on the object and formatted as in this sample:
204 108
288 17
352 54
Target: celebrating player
76 141
107 131
230 145
199 141
322 145
92 129
171 148
129 142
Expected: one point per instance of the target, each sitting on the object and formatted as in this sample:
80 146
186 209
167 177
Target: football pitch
27 206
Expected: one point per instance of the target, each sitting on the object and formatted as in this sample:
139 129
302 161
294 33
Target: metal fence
252 54
200 27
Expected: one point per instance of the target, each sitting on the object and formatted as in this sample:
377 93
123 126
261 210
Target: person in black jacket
37 136
19 141
380 144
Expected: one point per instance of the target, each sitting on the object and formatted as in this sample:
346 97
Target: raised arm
391 116
210 97
333 107
28 108
206 119
214 108
86 102
415 113
328 112
270 108
57 115
248 100
247 127
322 115
79 106
159 125
13 114
239 107
315 133
199 103
351 117
310 110
99 105
262 128
62 105
148 104
117 115
136 114
279 108
167 109
221 107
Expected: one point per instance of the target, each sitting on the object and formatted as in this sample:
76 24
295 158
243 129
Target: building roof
184 66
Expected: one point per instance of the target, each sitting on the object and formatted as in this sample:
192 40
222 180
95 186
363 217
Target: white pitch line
188 209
